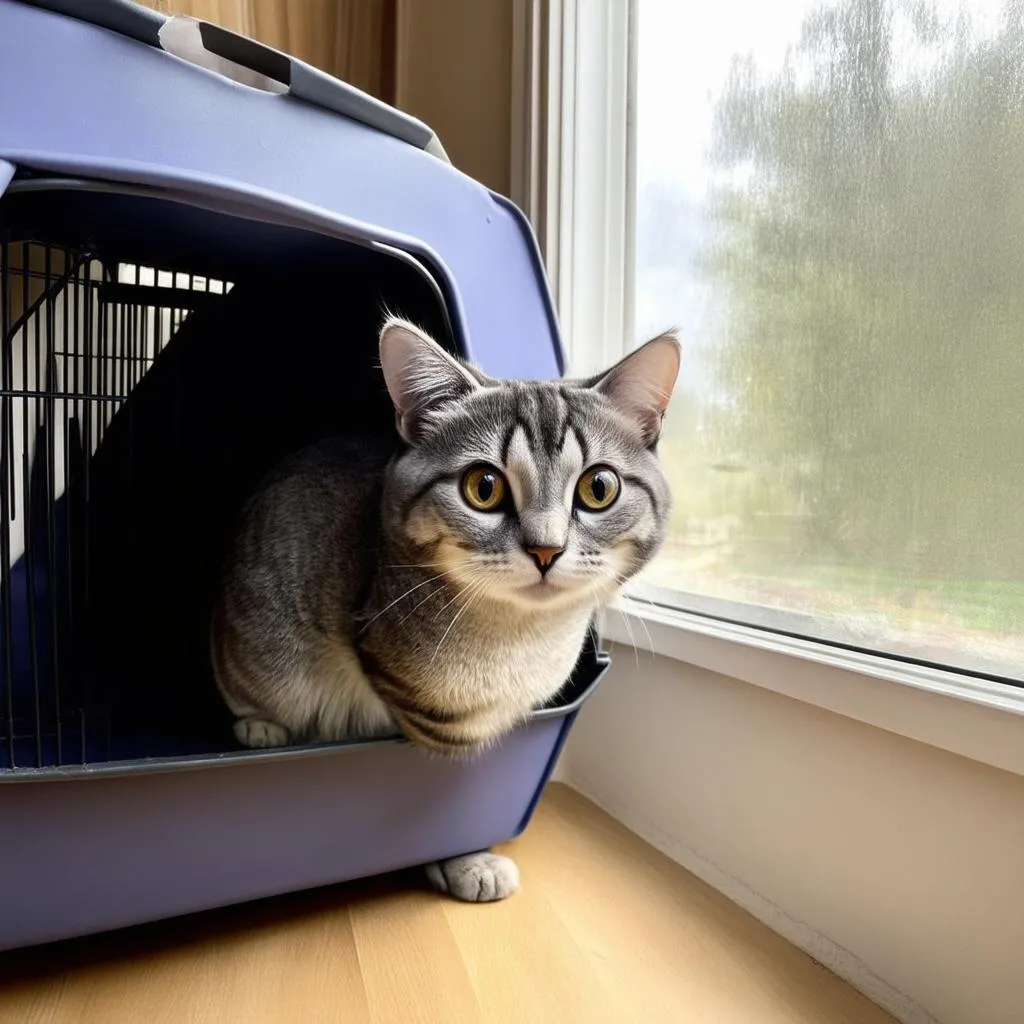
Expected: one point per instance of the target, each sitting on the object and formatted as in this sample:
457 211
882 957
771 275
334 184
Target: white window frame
573 174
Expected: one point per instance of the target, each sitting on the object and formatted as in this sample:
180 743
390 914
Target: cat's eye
484 488
597 488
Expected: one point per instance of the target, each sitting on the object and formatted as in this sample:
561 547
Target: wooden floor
605 929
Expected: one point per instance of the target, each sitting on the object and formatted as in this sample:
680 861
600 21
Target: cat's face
535 494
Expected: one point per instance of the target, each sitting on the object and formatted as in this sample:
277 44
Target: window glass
830 207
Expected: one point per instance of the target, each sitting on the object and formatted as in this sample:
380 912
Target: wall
454 71
898 865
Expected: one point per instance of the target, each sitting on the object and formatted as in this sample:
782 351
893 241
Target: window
829 204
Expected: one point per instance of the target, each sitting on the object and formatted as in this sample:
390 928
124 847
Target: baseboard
839 960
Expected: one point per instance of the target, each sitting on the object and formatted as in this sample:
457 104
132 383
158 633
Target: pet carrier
194 251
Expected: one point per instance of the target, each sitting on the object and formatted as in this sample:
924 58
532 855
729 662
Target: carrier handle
209 46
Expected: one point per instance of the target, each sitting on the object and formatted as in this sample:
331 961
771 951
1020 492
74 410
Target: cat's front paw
258 732
476 877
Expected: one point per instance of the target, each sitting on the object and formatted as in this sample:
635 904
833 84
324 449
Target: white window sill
972 717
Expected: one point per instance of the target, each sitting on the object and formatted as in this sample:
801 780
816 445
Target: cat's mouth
542 590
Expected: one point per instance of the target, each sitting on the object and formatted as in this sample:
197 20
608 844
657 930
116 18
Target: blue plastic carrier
192 271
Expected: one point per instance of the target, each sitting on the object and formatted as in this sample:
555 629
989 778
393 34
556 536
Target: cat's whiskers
599 604
401 597
472 592
596 596
458 593
632 638
419 604
622 581
650 640
441 590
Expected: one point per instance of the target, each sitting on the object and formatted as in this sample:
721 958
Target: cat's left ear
640 385
419 374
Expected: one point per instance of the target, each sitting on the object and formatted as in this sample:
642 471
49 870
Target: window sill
972 717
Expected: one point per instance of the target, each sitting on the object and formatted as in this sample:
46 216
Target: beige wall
454 71
896 863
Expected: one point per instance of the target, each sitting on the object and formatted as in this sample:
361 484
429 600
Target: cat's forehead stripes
552 417
540 452
541 476
547 413
517 461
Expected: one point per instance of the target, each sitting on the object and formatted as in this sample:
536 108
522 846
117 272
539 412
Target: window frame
573 174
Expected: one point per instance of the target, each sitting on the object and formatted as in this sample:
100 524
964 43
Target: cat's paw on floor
258 732
475 877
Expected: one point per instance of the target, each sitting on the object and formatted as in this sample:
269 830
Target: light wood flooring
605 929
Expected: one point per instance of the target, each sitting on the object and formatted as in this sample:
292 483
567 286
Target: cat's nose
544 555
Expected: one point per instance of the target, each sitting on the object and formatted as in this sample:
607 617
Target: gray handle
293 76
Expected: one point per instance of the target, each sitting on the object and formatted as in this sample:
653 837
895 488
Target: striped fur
363 593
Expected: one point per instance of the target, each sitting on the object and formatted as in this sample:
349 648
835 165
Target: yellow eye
597 488
483 487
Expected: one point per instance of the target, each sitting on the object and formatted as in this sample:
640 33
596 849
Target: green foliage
870 239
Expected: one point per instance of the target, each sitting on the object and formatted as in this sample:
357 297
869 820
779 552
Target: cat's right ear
419 374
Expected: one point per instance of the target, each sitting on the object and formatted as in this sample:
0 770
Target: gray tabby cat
445 588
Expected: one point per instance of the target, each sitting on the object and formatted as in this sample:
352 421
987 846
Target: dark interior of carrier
157 359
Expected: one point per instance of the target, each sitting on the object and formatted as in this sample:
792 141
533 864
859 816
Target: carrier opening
157 359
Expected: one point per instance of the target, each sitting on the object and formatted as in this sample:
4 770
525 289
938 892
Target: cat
442 582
